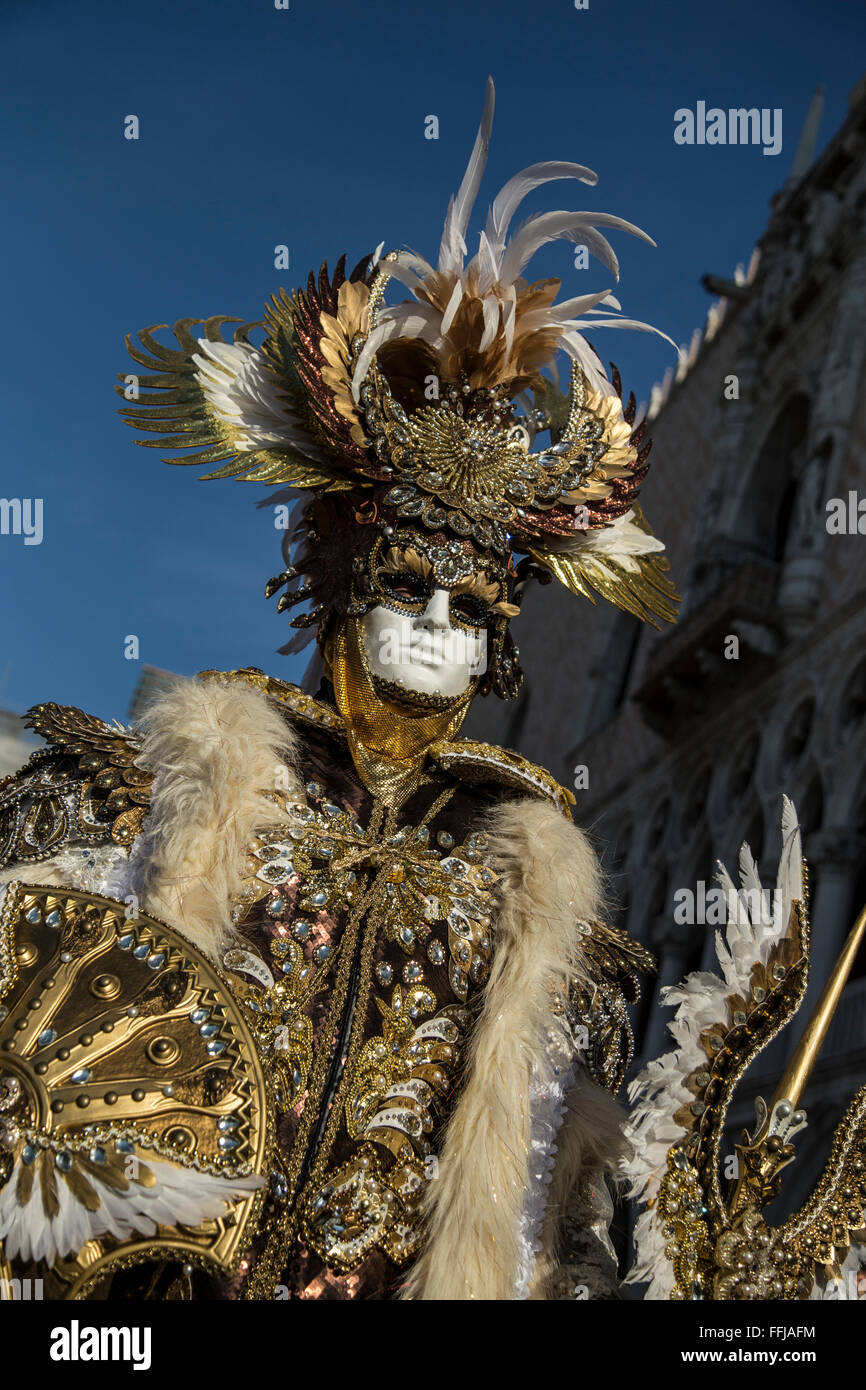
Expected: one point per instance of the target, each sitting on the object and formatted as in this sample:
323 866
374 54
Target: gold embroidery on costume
359 1209
424 889
398 1075
391 1082
324 846
305 852
399 1071
282 1029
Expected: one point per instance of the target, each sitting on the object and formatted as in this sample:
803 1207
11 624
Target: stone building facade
687 737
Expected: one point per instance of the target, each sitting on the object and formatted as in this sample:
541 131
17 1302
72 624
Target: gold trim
799 1069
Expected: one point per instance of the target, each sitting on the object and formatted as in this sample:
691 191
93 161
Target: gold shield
126 1069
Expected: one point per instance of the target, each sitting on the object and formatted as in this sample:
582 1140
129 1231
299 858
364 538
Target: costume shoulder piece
134 1123
464 758
295 704
84 786
485 762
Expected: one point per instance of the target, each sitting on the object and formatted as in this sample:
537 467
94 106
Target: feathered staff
696 1238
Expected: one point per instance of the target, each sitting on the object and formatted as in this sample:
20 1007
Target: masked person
330 1010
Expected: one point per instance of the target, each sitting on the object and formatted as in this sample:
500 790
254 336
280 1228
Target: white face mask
424 652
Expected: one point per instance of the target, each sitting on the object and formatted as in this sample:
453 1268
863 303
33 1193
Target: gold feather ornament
338 334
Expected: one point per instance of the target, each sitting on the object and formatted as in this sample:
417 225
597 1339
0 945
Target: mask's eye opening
405 586
469 609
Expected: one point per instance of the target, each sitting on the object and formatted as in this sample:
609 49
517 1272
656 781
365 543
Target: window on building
767 503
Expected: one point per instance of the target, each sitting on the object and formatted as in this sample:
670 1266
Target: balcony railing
698 661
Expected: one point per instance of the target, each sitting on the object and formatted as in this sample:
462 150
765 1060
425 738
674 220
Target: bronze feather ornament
427 412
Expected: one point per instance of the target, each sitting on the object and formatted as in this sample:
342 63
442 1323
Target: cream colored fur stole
476 1208
216 748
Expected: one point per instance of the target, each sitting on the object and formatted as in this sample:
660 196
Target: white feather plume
453 247
242 392
180 1196
494 274
621 540
512 194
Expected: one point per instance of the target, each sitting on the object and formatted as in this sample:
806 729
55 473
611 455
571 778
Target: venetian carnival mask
420 651
426 633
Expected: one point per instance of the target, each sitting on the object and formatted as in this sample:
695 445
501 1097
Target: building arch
809 800
735 776
790 740
655 837
765 507
849 715
847 782
693 810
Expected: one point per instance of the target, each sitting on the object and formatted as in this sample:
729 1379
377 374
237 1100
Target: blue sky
305 127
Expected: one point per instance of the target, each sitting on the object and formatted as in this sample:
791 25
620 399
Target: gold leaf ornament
637 584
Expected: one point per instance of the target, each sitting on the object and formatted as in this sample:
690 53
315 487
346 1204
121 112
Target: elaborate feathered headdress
426 414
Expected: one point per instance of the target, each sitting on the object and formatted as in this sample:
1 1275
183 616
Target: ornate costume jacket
395 1032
